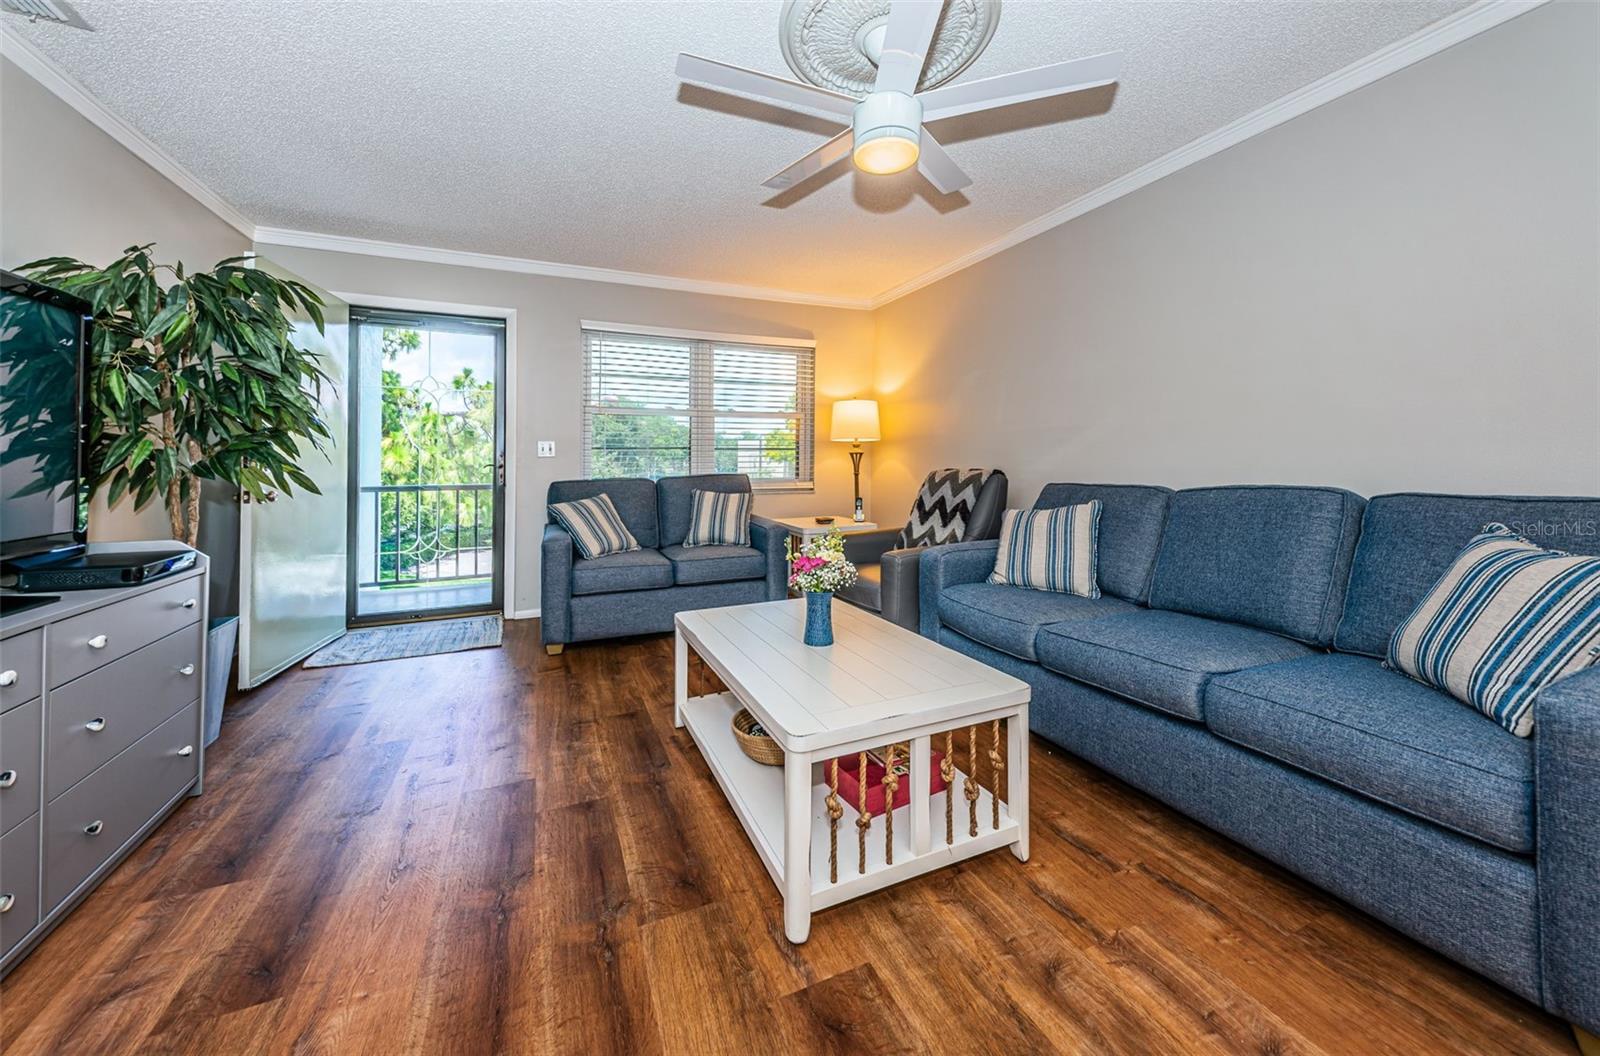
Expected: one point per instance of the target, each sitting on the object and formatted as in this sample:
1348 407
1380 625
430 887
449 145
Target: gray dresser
100 739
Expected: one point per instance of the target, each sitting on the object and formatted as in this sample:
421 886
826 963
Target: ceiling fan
887 132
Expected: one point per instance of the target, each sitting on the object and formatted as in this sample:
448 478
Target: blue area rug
409 639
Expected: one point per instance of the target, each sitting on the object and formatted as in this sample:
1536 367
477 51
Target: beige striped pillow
595 525
1053 549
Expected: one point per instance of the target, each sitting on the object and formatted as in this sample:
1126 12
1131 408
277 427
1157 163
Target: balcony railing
426 533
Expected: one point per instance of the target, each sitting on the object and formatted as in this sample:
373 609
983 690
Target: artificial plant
200 378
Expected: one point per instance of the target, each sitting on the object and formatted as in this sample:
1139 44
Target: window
662 404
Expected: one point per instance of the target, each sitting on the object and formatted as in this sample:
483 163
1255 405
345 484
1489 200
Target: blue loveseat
639 591
1233 669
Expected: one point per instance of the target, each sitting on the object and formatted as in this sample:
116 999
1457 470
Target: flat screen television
44 348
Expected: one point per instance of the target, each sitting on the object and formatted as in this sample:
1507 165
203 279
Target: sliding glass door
427 466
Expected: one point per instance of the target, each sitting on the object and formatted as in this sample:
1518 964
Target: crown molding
1448 31
36 64
275 236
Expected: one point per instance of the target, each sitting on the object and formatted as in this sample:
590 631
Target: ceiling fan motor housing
887 114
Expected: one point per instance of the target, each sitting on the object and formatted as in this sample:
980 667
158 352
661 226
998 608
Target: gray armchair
887 582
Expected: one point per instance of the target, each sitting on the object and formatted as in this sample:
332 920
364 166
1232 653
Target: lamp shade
855 421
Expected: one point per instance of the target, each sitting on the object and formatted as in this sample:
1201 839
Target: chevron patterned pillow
1506 619
943 507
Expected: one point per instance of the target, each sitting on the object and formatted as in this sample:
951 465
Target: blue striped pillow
1505 620
1053 549
595 525
719 518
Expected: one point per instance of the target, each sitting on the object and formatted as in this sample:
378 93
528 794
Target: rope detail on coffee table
835 812
947 770
971 789
863 823
891 785
996 765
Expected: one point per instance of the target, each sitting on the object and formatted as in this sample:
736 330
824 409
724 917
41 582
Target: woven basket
758 746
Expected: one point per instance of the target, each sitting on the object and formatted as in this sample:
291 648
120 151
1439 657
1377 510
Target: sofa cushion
1272 557
1009 618
867 590
1050 549
1348 720
715 564
1161 659
1131 520
630 570
634 498
1408 540
675 500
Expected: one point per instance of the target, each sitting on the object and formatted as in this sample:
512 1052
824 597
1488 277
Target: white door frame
509 397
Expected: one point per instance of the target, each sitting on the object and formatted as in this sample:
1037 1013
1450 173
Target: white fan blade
905 44
936 165
1010 88
792 95
813 163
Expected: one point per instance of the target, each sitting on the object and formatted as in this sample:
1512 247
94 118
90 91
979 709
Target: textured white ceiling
557 131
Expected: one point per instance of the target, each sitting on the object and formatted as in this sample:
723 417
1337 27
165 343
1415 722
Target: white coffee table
877 684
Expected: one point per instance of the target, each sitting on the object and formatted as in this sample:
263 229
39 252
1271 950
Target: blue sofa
638 592
1233 670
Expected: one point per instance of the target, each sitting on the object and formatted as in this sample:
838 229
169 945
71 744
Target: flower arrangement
819 566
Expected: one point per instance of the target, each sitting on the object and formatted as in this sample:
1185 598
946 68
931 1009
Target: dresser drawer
19 763
21 669
83 643
95 717
19 883
87 825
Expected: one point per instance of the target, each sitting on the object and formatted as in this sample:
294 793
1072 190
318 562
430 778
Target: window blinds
656 406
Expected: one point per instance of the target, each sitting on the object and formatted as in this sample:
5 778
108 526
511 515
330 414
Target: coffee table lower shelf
757 795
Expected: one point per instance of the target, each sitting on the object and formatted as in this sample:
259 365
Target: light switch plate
547 449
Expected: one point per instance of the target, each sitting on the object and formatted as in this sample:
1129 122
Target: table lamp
855 422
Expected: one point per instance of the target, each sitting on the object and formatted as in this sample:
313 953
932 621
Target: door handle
186 750
94 827
98 642
6 902
8 678
7 778
189 603
95 725
186 669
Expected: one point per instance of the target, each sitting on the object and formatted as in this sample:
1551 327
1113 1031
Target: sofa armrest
555 586
944 566
769 538
1567 760
898 572
868 548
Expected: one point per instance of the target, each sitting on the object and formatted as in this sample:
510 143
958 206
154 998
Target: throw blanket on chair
943 507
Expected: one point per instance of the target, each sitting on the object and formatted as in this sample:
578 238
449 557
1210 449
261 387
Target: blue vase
819 618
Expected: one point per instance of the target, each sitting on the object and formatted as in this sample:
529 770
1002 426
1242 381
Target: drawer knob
97 642
187 749
94 827
6 902
186 669
8 678
7 778
95 725
189 603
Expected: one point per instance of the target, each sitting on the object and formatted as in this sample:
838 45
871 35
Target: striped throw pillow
719 518
1505 620
596 527
1050 549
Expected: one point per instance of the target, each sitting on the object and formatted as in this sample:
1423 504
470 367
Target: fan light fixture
887 128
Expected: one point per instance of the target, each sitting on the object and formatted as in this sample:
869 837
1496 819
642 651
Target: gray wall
1397 290
549 363
68 189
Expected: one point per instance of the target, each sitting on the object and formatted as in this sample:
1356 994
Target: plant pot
819 618
221 638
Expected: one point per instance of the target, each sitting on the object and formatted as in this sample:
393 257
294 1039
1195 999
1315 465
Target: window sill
783 488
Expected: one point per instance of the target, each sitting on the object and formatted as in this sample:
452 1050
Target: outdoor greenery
194 376
433 433
650 445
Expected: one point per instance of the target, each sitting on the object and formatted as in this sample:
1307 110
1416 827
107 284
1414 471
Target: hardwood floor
500 851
